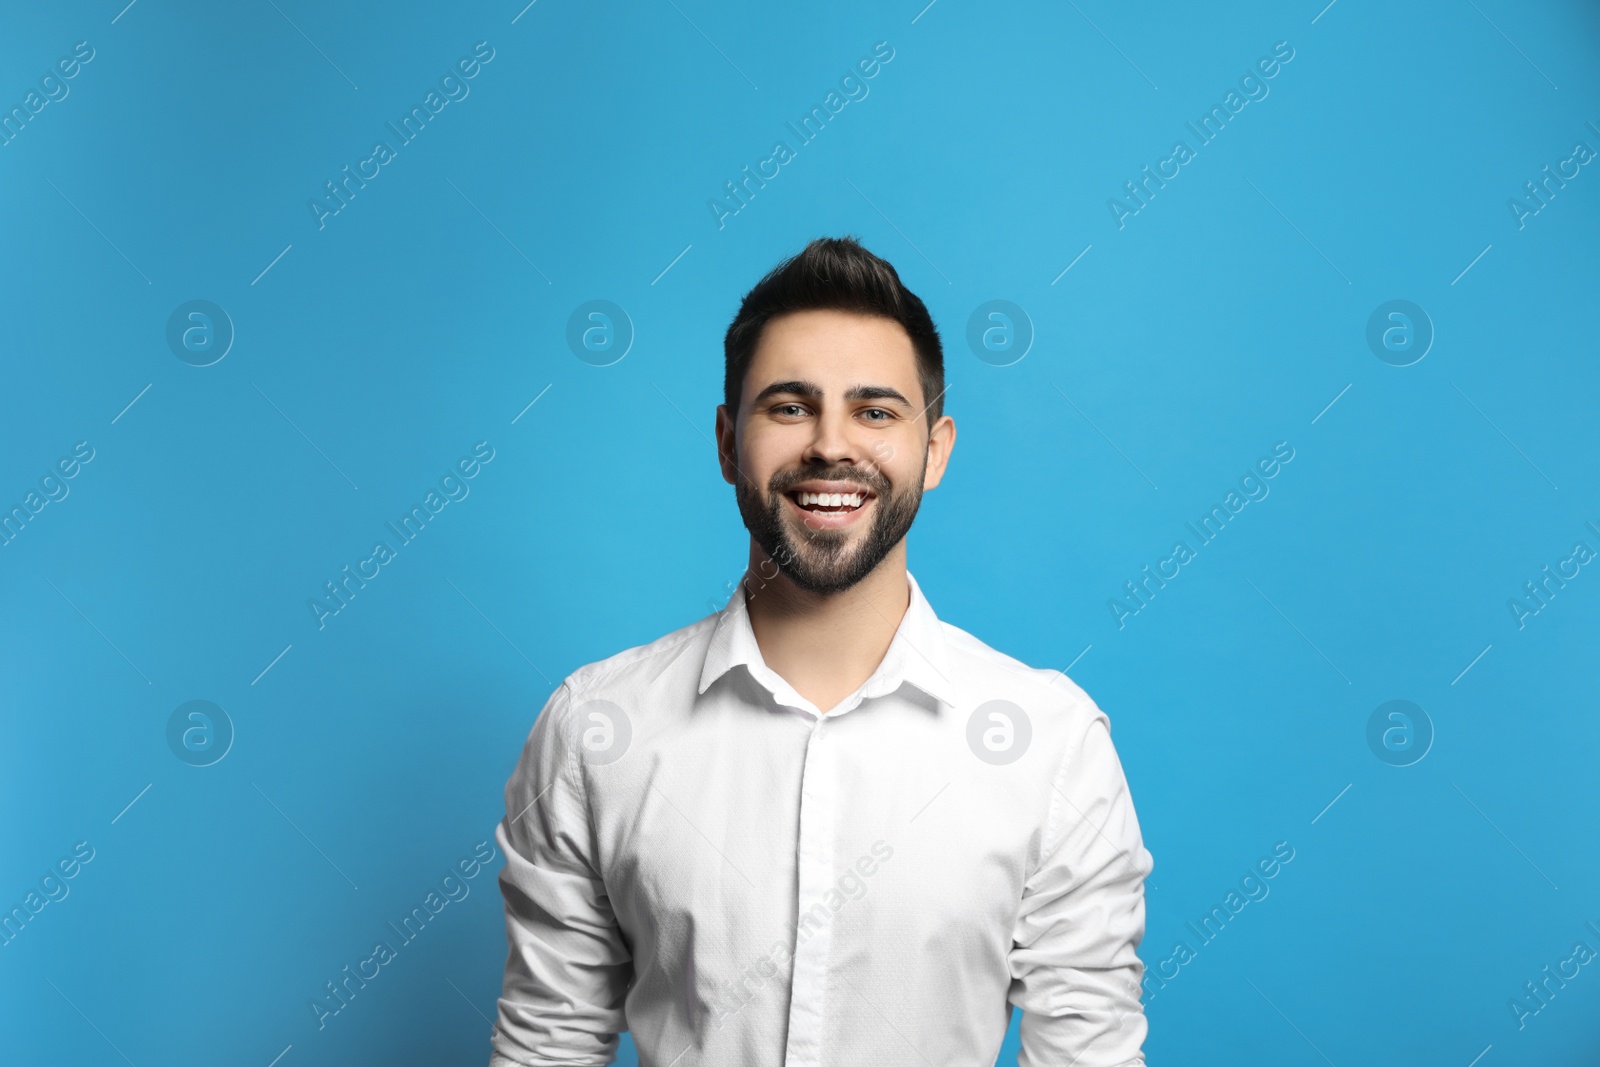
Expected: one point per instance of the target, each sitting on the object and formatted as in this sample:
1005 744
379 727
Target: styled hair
836 273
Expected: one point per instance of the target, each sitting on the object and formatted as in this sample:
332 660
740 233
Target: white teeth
833 500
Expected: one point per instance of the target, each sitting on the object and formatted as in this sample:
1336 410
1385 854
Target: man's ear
941 440
727 444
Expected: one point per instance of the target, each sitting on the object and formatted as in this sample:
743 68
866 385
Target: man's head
834 385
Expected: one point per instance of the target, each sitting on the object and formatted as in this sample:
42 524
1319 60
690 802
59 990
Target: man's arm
568 967
1075 973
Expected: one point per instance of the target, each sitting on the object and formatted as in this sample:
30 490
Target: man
821 826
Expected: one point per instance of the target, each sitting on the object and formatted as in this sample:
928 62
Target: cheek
756 466
884 454
900 459
765 450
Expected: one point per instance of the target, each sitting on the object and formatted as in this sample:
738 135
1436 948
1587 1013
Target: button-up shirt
699 855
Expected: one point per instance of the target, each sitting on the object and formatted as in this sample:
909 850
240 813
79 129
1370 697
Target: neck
826 645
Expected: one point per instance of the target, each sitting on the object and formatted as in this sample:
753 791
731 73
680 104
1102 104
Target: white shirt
696 854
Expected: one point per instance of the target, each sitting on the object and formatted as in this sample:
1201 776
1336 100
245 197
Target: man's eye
788 409
880 411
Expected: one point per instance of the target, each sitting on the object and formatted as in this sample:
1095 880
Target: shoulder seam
1041 677
577 679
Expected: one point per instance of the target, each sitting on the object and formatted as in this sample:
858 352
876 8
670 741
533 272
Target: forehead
835 349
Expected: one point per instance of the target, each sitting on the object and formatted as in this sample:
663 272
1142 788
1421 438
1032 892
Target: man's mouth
830 511
830 503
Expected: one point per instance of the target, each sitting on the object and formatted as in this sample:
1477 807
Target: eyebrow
813 391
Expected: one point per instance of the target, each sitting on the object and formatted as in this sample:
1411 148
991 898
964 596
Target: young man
821 826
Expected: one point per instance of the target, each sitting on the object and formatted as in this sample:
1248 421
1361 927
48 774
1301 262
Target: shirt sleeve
1074 966
569 966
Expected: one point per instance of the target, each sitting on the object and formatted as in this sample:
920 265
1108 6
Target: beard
822 561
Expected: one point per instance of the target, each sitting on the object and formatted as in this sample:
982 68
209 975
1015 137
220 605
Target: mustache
783 481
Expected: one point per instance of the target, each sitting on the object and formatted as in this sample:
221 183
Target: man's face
831 406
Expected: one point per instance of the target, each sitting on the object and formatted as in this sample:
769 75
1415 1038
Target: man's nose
833 441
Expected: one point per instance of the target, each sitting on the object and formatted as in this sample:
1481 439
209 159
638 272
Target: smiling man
822 826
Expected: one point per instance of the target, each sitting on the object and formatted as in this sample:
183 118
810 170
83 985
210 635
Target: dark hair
834 272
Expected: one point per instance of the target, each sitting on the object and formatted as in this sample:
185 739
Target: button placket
815 877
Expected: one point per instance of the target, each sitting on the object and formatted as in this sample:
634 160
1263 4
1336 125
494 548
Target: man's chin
803 533
829 583
822 561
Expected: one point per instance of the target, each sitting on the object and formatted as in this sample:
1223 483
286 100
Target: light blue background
1226 316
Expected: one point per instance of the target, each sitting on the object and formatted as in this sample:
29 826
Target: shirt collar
917 654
